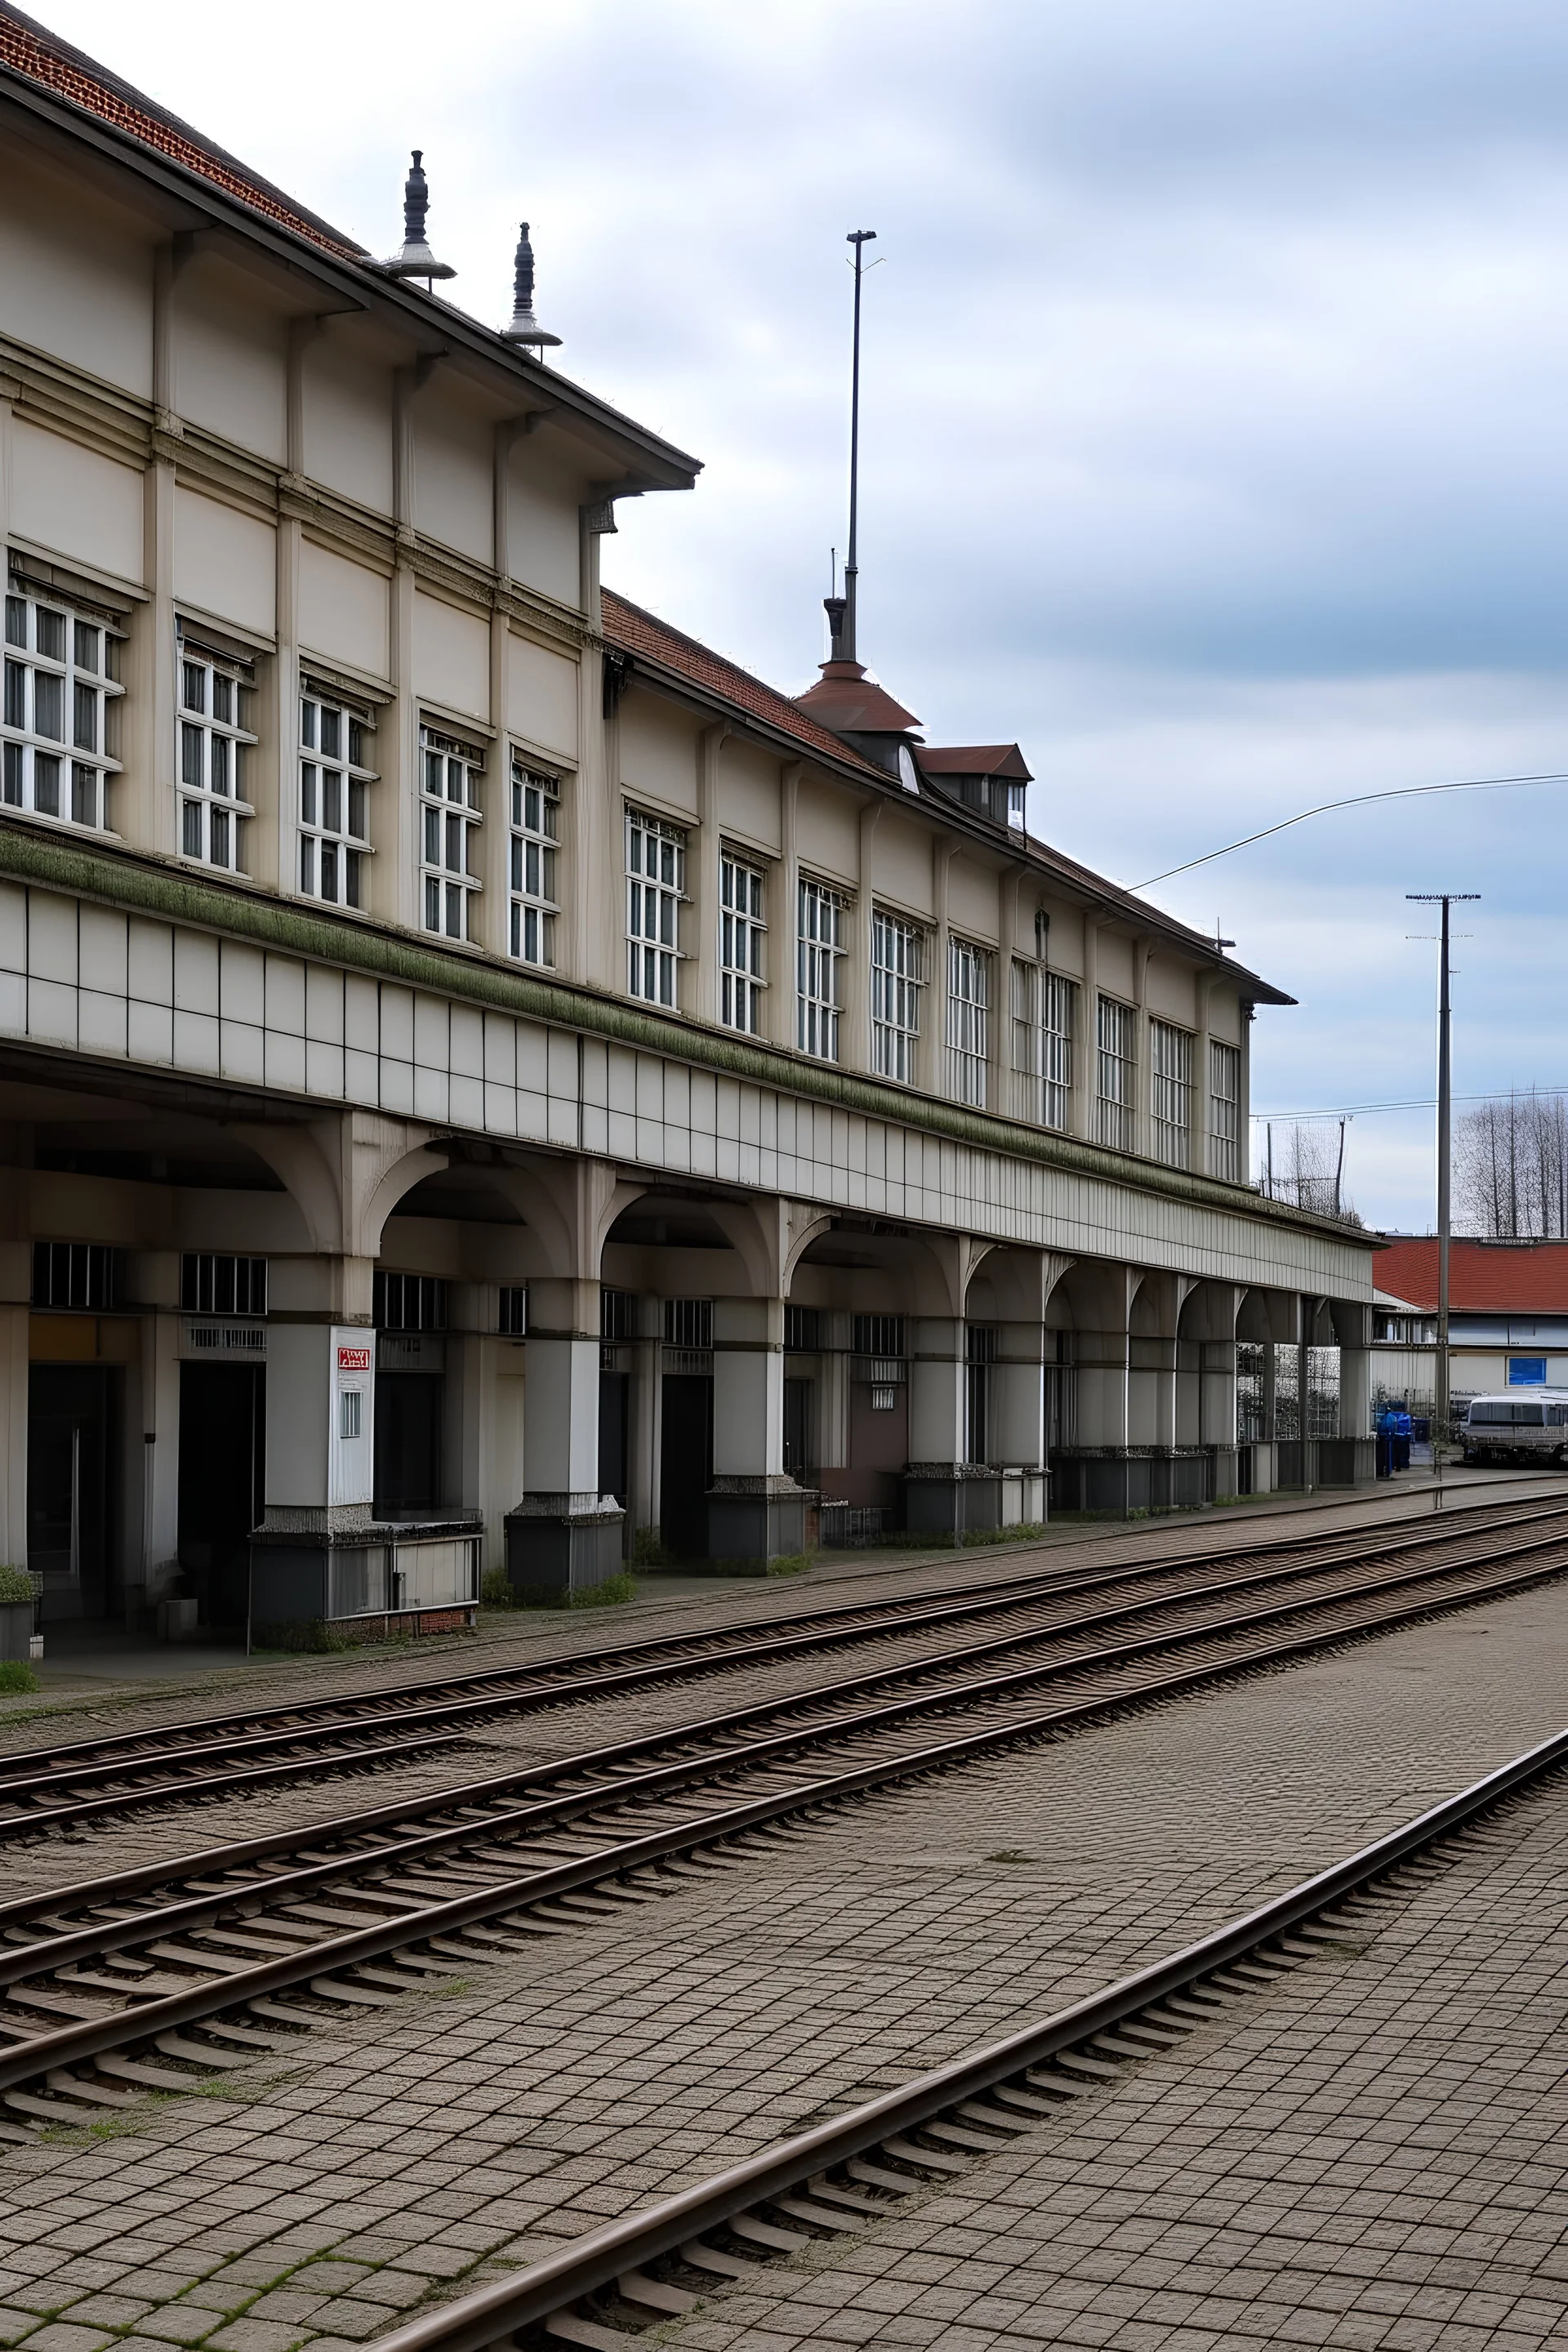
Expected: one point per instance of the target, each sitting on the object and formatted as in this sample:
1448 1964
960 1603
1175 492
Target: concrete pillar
754 1510
316 1556
563 1536
646 1389
1018 1420
833 1399
944 1495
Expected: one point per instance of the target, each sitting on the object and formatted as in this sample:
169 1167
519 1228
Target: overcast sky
1216 405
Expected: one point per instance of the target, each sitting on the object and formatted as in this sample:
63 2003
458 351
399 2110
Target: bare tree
1511 1167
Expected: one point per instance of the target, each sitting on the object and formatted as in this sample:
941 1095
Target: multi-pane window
449 817
898 974
511 1311
1224 1112
214 741
688 1322
980 1354
409 1302
335 777
535 832
1042 1045
741 934
76 1274
818 973
655 884
59 692
1170 1092
216 1282
1114 1099
968 1021
617 1315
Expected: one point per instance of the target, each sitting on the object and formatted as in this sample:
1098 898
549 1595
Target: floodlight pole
1444 898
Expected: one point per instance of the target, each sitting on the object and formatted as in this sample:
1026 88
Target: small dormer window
1016 795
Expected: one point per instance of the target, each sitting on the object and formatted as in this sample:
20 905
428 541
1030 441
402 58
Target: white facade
382 900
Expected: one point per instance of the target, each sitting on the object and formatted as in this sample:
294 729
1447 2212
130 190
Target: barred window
213 1282
818 974
449 813
968 1021
741 934
878 1335
335 777
1170 1092
656 884
803 1331
688 1322
617 1315
1224 1112
214 742
1114 1100
1042 1045
58 710
410 1302
535 832
897 974
512 1320
76 1274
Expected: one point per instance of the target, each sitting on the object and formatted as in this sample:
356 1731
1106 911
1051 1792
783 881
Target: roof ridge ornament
416 261
525 328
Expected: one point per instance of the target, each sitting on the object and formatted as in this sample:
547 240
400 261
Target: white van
1516 1428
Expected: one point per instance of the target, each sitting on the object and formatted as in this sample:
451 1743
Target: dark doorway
798 1430
73 1426
408 1410
222 1460
685 1463
614 1416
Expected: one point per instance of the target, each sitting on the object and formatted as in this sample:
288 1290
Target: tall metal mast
841 609
1444 898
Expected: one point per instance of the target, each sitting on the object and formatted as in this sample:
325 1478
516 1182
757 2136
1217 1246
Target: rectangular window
75 1274
335 777
818 970
897 975
656 884
59 693
1114 1100
968 1021
1224 1112
349 1410
513 1318
212 1282
880 1338
1042 1045
1170 1092
803 1331
533 853
741 930
410 1302
980 1354
448 818
688 1322
214 744
617 1315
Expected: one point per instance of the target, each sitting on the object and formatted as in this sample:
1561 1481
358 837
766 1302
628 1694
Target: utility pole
1444 898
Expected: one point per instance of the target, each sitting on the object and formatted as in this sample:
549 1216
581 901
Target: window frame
969 1009
317 837
897 988
206 804
654 958
1045 1024
77 779
533 854
1224 1112
1116 1098
819 960
1171 1059
743 939
444 887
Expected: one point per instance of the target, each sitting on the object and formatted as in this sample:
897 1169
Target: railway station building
485 1082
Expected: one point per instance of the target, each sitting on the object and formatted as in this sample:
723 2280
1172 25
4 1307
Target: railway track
606 2289
146 1978
69 1784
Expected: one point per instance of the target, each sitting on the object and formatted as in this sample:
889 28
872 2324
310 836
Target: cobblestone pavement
1373 2156
409 2152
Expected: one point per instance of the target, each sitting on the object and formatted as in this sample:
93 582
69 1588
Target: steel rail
863 1679
59 2048
623 2249
566 1679
417 1727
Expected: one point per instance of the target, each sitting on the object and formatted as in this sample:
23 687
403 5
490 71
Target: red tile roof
33 52
1484 1278
639 633
974 760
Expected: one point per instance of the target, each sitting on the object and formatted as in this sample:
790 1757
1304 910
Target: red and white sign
354 1360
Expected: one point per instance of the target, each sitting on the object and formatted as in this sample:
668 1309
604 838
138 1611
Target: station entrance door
222 1491
686 1463
73 1485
